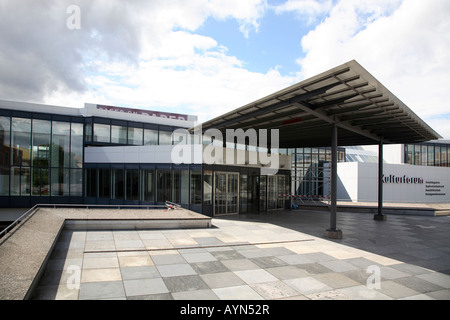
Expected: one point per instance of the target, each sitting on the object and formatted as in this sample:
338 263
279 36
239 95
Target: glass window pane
76 145
104 183
21 142
41 143
163 185
443 156
448 156
91 183
135 136
132 184
76 182
437 156
4 181
40 182
207 187
165 138
119 134
176 186
102 132
60 182
424 155
431 155
147 185
150 137
60 144
184 185
5 137
20 181
196 187
25 181
117 184
15 181
88 130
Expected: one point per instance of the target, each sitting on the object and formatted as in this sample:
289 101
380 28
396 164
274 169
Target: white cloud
173 67
309 9
133 53
406 45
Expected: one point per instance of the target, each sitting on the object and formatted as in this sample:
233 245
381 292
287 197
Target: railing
168 205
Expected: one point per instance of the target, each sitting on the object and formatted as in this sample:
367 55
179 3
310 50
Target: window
60 182
40 181
184 185
147 185
60 144
41 143
132 184
76 145
117 184
104 183
4 181
5 137
437 156
135 136
207 185
196 187
21 142
150 137
91 183
431 155
443 156
424 155
119 134
76 182
102 133
163 185
165 138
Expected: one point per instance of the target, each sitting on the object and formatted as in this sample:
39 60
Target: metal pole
379 216
334 156
333 232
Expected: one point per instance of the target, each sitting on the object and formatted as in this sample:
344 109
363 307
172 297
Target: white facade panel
401 183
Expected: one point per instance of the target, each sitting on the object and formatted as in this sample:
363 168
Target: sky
208 57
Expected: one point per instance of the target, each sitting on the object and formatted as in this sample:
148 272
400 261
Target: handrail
168 205
17 221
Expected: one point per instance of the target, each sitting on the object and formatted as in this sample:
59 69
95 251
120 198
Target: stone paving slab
25 249
229 261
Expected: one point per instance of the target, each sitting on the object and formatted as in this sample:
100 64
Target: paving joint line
199 247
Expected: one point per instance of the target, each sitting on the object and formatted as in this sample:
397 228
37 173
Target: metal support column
379 216
333 232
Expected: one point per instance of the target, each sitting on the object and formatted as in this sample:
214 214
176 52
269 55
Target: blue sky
207 57
276 43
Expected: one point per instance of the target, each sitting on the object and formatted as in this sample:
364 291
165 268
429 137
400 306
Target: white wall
358 182
163 154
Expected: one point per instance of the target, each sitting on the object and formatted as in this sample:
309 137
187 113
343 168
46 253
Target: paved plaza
280 255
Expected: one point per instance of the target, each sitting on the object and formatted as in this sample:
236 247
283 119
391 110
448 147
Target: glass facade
428 154
42 161
40 158
308 169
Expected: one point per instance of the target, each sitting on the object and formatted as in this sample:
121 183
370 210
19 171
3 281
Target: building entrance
226 195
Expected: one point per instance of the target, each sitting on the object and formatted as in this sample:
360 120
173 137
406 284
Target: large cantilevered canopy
364 111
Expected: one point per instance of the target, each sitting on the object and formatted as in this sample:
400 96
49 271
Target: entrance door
226 193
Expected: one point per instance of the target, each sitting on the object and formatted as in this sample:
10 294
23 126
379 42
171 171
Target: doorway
226 193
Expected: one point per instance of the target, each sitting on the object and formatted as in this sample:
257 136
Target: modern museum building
110 155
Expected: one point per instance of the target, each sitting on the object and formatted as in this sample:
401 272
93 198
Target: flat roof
364 111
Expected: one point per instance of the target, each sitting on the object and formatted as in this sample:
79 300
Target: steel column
333 232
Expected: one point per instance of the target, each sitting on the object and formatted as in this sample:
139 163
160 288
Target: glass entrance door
226 195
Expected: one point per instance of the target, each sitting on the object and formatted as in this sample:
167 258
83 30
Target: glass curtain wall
308 169
40 157
425 154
